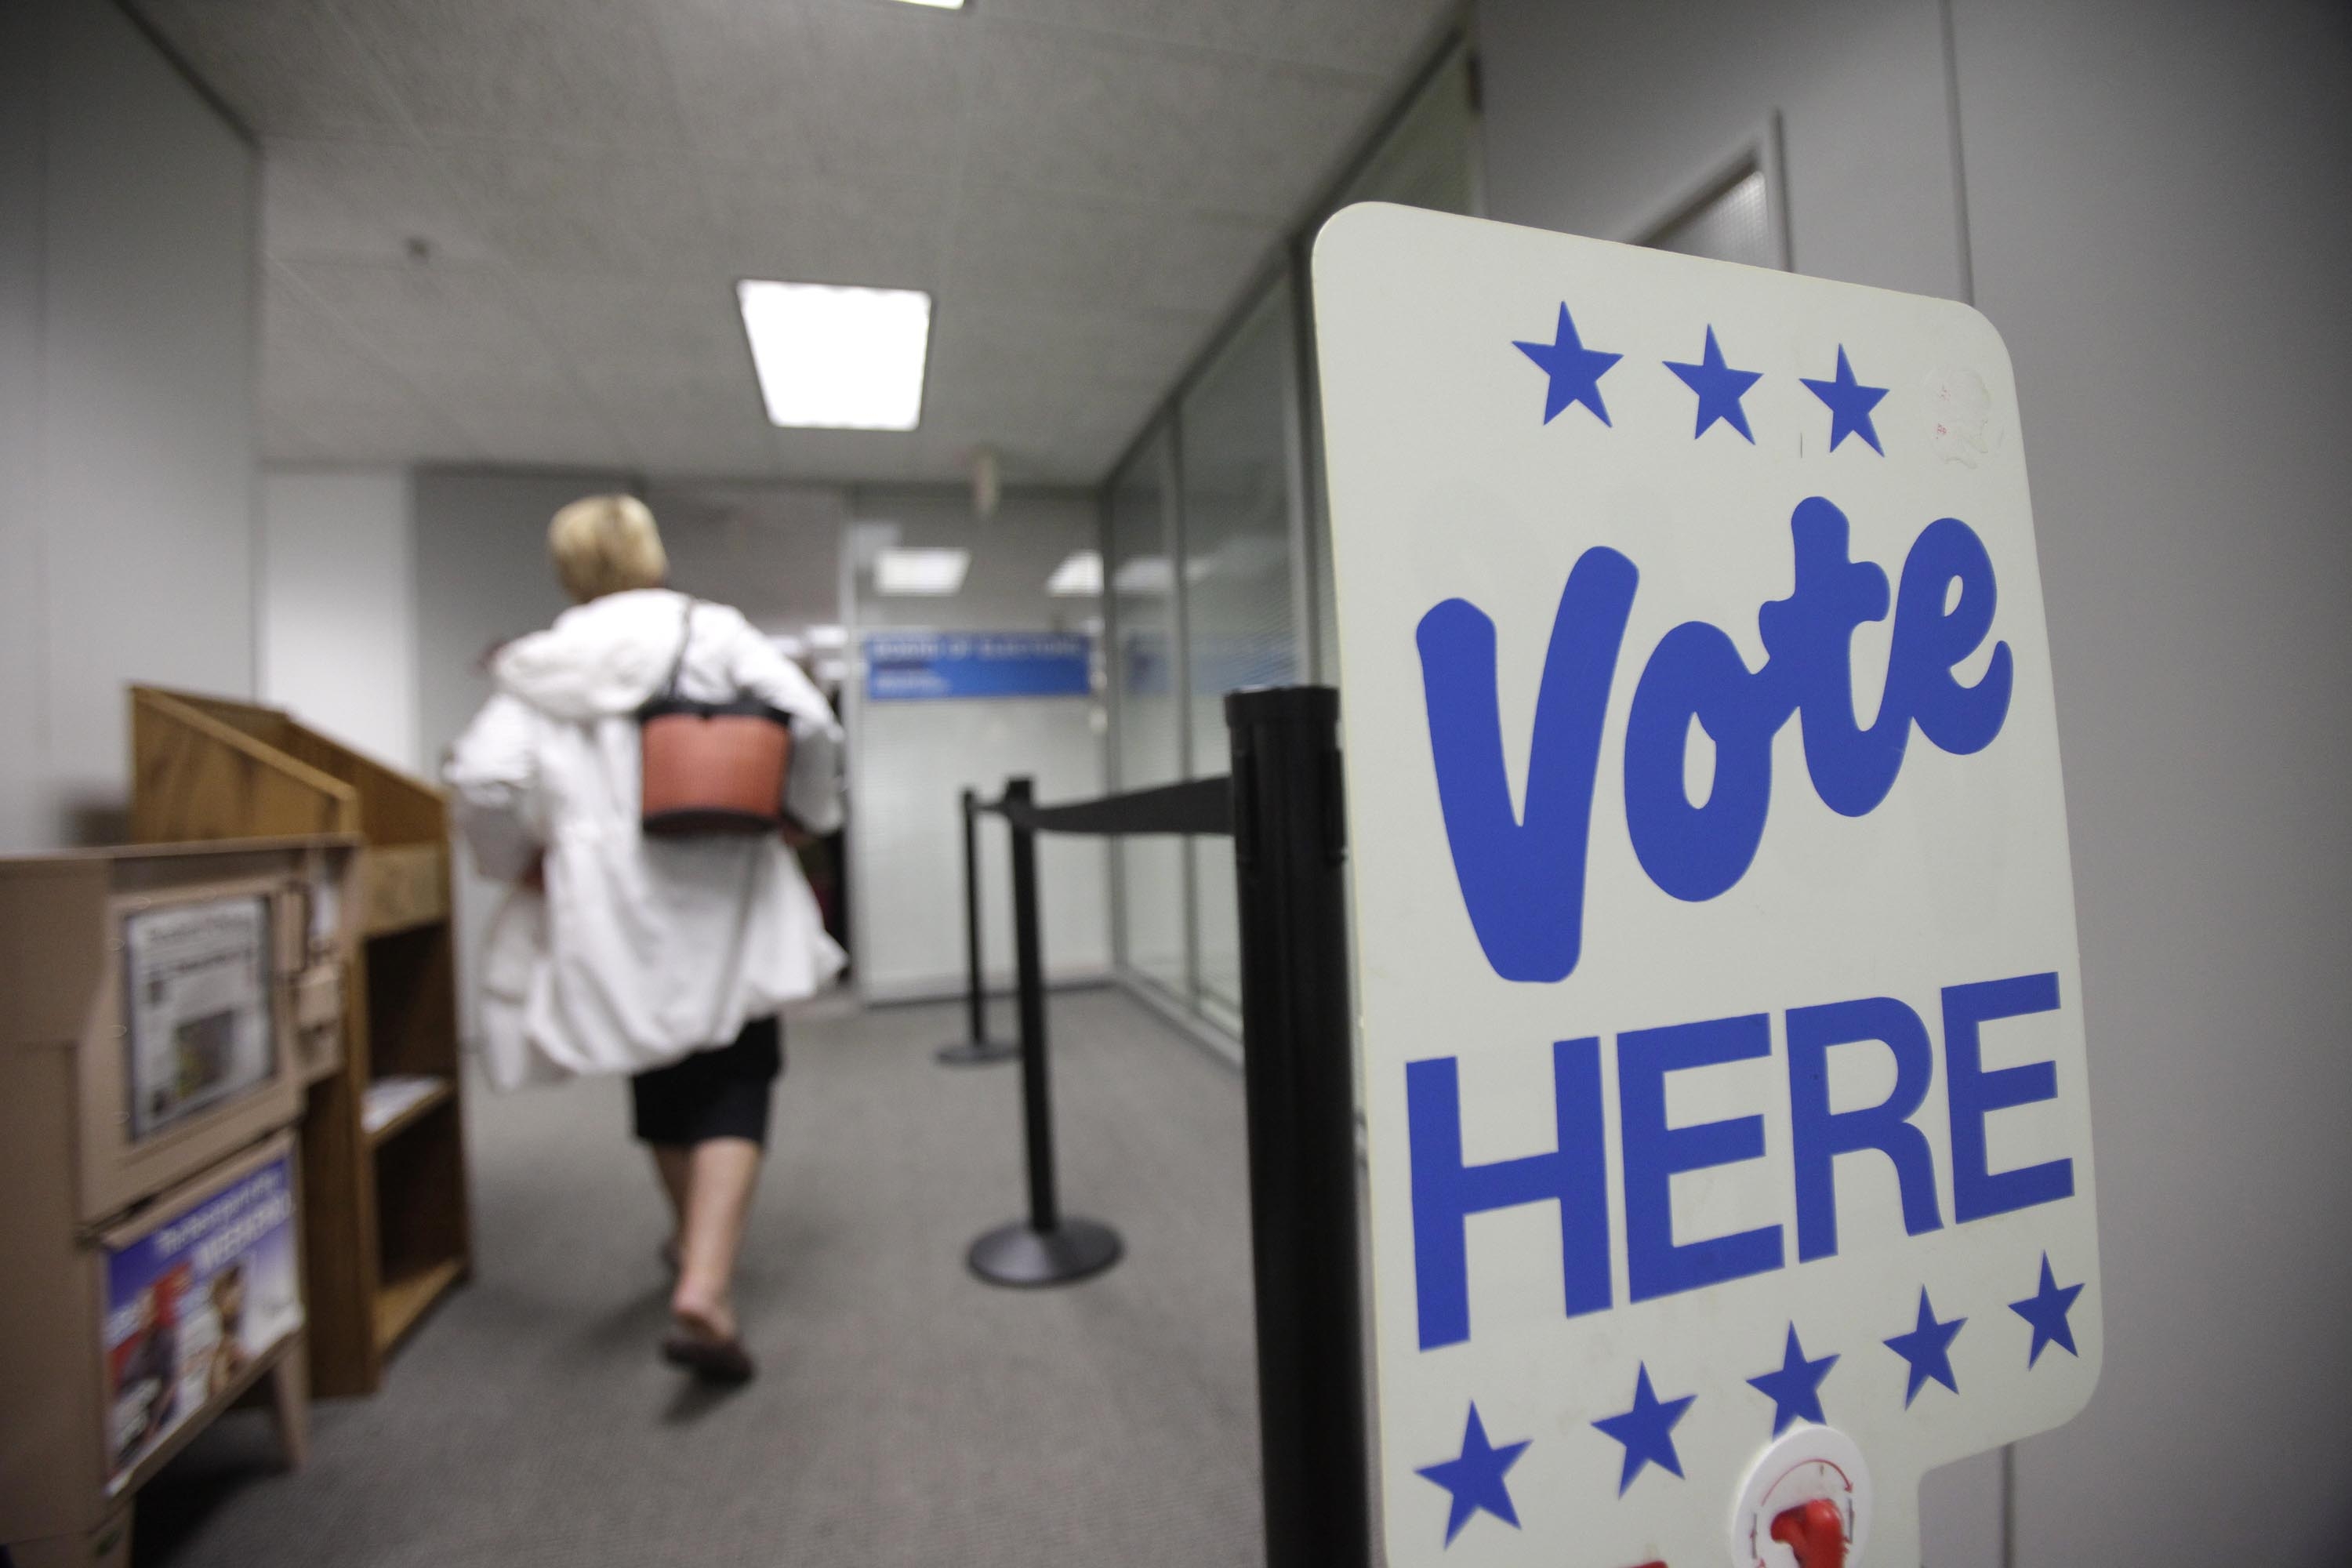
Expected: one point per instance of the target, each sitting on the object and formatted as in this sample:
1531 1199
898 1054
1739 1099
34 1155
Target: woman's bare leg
721 1173
674 1164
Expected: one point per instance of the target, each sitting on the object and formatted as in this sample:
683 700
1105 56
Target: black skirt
723 1092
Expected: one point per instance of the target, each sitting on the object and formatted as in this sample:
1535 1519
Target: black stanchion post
1045 1248
1289 848
975 1049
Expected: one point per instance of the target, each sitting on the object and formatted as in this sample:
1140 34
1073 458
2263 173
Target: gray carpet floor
905 1414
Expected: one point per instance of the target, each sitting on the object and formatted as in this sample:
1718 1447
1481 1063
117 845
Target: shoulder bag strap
678 665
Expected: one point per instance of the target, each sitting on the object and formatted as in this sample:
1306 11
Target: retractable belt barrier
975 1049
1202 806
1281 806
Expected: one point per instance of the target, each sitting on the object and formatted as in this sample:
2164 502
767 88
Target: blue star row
1573 375
1474 1478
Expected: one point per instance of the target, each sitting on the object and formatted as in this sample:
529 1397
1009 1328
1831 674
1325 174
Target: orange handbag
710 768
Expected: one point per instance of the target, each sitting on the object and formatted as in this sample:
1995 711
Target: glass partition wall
1217 563
1147 699
1242 526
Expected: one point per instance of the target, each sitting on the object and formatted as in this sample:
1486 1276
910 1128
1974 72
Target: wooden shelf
405 886
400 1302
426 1101
386 1221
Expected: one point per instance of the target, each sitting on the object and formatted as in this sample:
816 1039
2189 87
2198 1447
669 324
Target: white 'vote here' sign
1721 1010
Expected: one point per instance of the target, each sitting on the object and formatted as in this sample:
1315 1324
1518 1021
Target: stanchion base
1016 1254
979 1053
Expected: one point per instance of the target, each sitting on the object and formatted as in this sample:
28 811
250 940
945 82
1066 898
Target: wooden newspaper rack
163 1010
386 1224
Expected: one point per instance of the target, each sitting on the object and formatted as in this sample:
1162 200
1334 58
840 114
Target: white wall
2157 198
338 607
1599 118
2156 225
128 219
908 760
23 699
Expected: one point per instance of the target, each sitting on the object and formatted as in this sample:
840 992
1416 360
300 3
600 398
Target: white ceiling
1084 186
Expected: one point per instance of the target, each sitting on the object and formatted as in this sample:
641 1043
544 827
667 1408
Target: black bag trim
686 824
664 706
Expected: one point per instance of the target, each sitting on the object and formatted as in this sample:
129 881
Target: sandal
713 1360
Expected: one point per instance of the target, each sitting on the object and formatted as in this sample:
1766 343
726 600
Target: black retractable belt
1283 808
975 1049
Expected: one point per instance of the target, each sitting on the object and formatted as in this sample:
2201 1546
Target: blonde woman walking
666 959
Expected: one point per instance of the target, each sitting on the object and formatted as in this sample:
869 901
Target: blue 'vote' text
1522 874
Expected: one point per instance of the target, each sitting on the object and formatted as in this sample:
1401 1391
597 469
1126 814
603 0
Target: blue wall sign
916 666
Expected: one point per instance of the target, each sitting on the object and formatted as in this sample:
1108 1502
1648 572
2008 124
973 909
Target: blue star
1575 370
1849 404
1719 389
1646 1430
1795 1390
2046 1309
1475 1478
1929 1348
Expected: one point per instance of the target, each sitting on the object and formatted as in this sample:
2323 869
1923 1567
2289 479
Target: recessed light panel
938 4
838 358
1078 577
921 570
1145 576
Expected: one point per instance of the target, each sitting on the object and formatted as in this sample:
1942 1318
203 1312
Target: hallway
905 1415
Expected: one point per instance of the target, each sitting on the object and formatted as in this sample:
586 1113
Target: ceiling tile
428 319
361 201
569 208
850 457
1020 242
1084 186
843 91
324 396
667 365
1375 36
1093 114
586 71
1017 351
769 221
527 418
463 338
286 66
609 325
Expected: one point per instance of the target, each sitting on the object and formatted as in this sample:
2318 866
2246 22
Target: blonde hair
606 544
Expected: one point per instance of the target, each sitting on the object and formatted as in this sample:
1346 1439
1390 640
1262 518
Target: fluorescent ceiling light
1079 577
1146 575
838 359
933 571
940 4
828 636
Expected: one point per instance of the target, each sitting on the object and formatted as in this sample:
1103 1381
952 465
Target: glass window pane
1140 579
1735 224
1241 608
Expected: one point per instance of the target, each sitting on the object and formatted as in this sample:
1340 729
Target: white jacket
640 951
